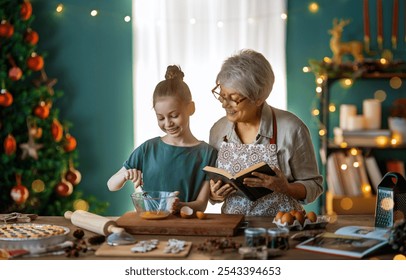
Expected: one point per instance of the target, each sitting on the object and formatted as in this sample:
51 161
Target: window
198 35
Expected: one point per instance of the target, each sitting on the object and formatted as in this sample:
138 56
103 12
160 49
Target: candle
380 24
346 110
366 25
356 122
371 109
395 17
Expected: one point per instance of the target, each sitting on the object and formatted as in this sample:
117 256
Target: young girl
175 161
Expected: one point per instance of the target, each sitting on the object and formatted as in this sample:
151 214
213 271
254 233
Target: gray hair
249 73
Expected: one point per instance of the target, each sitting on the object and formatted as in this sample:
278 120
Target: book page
366 232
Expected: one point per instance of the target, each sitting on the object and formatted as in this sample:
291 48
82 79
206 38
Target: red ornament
26 10
64 188
42 110
6 29
31 37
35 62
10 145
70 143
56 130
19 193
15 73
6 99
73 175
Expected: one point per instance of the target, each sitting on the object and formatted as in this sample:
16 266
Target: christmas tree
38 155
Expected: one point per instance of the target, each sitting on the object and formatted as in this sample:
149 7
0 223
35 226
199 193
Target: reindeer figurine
339 48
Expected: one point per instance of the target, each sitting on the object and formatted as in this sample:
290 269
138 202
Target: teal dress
172 168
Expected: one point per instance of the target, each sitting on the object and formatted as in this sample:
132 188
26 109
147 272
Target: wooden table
195 254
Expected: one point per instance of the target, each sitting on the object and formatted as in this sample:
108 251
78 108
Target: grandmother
253 131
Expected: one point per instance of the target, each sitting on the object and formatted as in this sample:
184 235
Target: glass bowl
153 205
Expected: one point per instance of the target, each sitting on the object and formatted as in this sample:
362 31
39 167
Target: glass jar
278 239
255 237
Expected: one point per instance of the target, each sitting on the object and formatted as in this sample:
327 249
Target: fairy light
220 24
306 69
315 112
251 20
313 7
380 95
332 108
192 21
59 8
284 16
127 18
354 152
346 83
81 204
94 13
395 82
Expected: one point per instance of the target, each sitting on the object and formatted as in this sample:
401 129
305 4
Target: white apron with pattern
236 157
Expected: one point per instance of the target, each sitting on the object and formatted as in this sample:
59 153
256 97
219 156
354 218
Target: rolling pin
93 222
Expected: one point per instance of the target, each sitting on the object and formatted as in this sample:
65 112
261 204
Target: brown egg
300 217
293 212
200 215
279 216
311 216
287 218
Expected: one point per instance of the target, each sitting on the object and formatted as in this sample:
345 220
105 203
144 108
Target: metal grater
391 200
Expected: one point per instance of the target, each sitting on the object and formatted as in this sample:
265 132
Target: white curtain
198 35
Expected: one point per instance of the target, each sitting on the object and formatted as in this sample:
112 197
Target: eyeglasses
233 103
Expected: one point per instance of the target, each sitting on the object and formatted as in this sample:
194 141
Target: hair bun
174 72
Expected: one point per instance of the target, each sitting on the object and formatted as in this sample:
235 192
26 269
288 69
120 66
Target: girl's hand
174 203
219 192
277 183
134 176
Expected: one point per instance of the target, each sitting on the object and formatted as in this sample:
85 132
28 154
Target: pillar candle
371 109
346 110
356 122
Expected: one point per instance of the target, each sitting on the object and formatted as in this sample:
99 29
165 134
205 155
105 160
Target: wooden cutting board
125 251
212 225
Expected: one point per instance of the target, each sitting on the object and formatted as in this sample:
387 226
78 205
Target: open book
351 241
252 193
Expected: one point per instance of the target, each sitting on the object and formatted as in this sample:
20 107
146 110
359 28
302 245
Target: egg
287 218
293 212
186 212
300 217
200 215
311 216
279 215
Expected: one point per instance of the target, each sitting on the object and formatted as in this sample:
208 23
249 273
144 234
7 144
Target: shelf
333 146
330 74
345 205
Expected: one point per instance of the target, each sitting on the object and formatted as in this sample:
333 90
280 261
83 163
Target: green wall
92 59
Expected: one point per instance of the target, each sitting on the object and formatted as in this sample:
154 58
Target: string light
284 16
220 24
395 82
313 7
127 18
192 21
59 8
306 69
332 108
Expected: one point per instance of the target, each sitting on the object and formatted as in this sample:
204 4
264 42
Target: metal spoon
120 237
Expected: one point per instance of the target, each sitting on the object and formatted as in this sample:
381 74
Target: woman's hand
218 191
277 183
